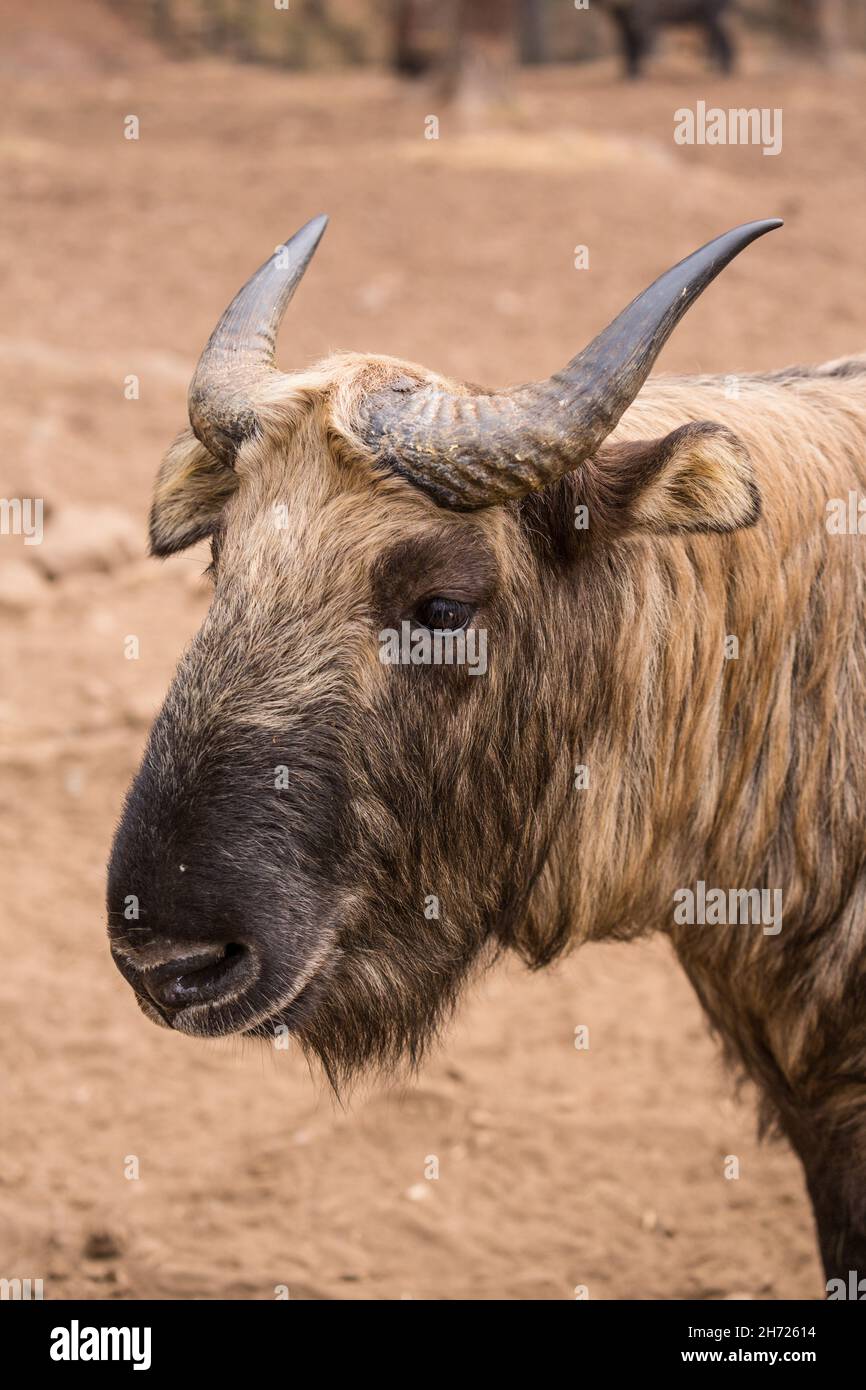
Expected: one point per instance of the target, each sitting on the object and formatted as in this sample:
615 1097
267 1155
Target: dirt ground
558 1167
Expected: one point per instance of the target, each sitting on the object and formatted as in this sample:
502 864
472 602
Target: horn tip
306 239
763 225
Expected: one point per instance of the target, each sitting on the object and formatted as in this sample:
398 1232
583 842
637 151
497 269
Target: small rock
102 1245
378 293
98 1273
651 1221
74 781
21 586
481 1118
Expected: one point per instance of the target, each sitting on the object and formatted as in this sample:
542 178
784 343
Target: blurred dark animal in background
639 21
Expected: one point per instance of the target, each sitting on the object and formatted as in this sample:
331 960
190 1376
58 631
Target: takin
329 843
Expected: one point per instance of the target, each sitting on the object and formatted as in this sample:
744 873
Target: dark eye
442 614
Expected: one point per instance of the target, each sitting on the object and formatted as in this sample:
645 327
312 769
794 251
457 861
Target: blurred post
479 69
532 31
214 25
819 25
831 28
162 22
408 55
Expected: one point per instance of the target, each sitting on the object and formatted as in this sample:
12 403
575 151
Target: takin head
356 780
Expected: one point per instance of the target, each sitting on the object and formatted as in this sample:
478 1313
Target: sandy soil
557 1167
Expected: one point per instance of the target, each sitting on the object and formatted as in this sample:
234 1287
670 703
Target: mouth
172 985
203 977
214 991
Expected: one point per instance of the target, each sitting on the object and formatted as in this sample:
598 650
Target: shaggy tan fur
608 650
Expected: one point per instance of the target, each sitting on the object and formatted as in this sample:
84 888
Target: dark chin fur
349 1023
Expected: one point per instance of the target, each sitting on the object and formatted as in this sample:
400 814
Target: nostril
201 976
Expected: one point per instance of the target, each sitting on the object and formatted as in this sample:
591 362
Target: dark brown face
331 820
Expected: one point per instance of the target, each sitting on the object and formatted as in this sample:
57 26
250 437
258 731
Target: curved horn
240 351
472 451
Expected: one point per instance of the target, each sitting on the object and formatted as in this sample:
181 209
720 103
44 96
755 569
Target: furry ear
192 487
697 478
